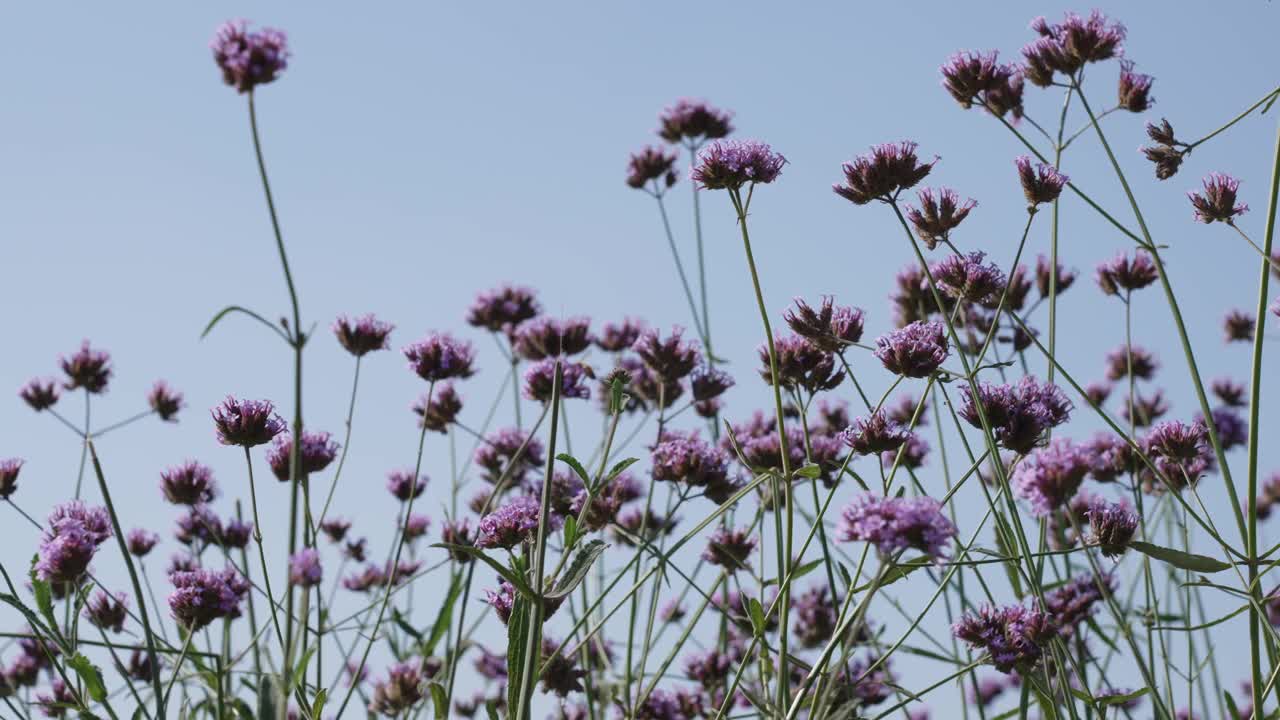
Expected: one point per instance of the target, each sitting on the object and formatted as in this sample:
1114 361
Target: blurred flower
1050 476
442 409
401 690
1064 278
800 363
548 337
894 524
403 485
201 596
440 357
1238 326
616 337
651 165
671 358
1134 91
40 393
164 400
1041 183
188 484
107 611
539 380
362 335
503 308
1132 360
87 368
730 548
317 452
248 59
693 122
305 569
1229 391
708 383
141 541
9 469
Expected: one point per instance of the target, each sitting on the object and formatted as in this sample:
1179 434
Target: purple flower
1134 360
58 700
1061 279
439 408
401 690
730 548
800 363
693 122
235 534
491 665
539 380
1146 408
709 669
938 214
548 337
164 400
1015 636
560 674
730 164
9 470
831 327
616 337
875 434
69 542
1110 457
246 422
987 690
816 617
651 165
1233 430
40 393
894 524
512 524
915 351
317 451
304 568
457 532
503 600
1074 602
708 383
883 174
1092 39
1050 477
416 526
107 611
1238 326
913 453
188 484
671 358
201 596
1120 273
1218 200
87 368
688 459
200 524
1229 391
248 59
661 705
335 528
503 308
1111 526
362 335
1134 90
1097 393
1018 414
141 541
967 277
368 578
403 485
509 448
1180 451
440 357
968 75
1040 184
1042 58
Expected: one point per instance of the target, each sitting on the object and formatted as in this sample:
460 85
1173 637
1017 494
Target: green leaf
267 697
572 462
443 618
1231 704
516 580
1122 699
400 622
1180 559
755 611
517 630
570 531
317 705
300 670
90 675
44 596
617 469
491 707
440 699
577 570
811 471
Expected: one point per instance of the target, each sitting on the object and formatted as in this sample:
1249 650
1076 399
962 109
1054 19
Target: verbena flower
1110 456
539 380
501 452
800 363
249 59
693 122
246 422
70 539
1015 636
1180 451
189 483
512 524
1134 360
1217 202
404 486
335 528
440 357
730 548
874 434
1146 409
442 410
883 173
399 692
914 351
547 337
648 526
370 577
1121 273
831 327
235 534
730 164
1041 183
893 524
1229 391
305 569
616 337
87 368
967 277
164 400
457 532
690 460
671 358
1064 278
708 383
1238 326
710 668
651 165
1134 90
911 455
1049 477
362 335
40 393
968 75
816 617
503 308
1232 429
1111 526
560 674
141 541
939 213
201 596
1074 602
107 611
9 469
1097 392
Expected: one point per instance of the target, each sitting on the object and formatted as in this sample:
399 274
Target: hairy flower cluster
1122 274
690 460
246 422
1074 602
830 327
967 277
189 483
1111 526
1065 48
1049 477
317 451
1018 414
404 486
914 351
876 433
1041 183
400 691
1134 89
882 174
362 335
440 357
201 596
71 537
513 523
939 213
1060 278
671 358
730 548
548 337
893 524
249 59
1217 202
503 308
509 452
978 78
800 364
1180 451
693 122
1015 636
730 164
539 380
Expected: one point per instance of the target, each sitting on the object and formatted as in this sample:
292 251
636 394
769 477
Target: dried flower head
1134 91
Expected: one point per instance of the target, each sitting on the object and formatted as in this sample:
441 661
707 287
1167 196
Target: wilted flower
248 59
883 174
1218 200
164 400
1111 526
305 569
87 368
730 548
1167 160
1040 184
440 357
40 393
399 692
1238 326
246 422
730 164
915 351
188 484
362 335
1050 476
9 470
1134 91
893 524
201 596
441 410
1015 636
107 611
938 214
651 165
539 380
693 122
404 486
503 308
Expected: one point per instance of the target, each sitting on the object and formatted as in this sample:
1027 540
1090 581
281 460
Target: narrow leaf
90 675
572 462
440 699
1179 559
617 469
577 570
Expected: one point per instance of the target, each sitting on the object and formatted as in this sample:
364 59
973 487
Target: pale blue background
422 152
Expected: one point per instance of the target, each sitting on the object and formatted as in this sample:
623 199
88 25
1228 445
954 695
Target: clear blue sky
421 152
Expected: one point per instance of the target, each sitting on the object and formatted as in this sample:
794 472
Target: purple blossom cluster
894 524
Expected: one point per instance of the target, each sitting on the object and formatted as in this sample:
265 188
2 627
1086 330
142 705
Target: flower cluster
895 523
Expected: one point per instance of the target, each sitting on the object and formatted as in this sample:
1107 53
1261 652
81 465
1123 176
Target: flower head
1180 451
730 164
693 122
201 596
503 308
1014 635
730 548
883 173
71 538
164 400
509 450
915 351
1134 92
874 434
831 327
968 75
1121 273
246 422
248 59
893 524
40 393
1060 278
616 337
335 528
512 524
1217 202
1111 526
1075 602
87 368
1041 183
440 357
9 469
404 486
651 165
688 459
317 451
539 380
141 541
671 358
939 213
400 691
967 277
362 335
1229 391
304 568
107 611
439 407
547 337
708 383
1132 360
800 363
1049 477
189 483
1238 326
